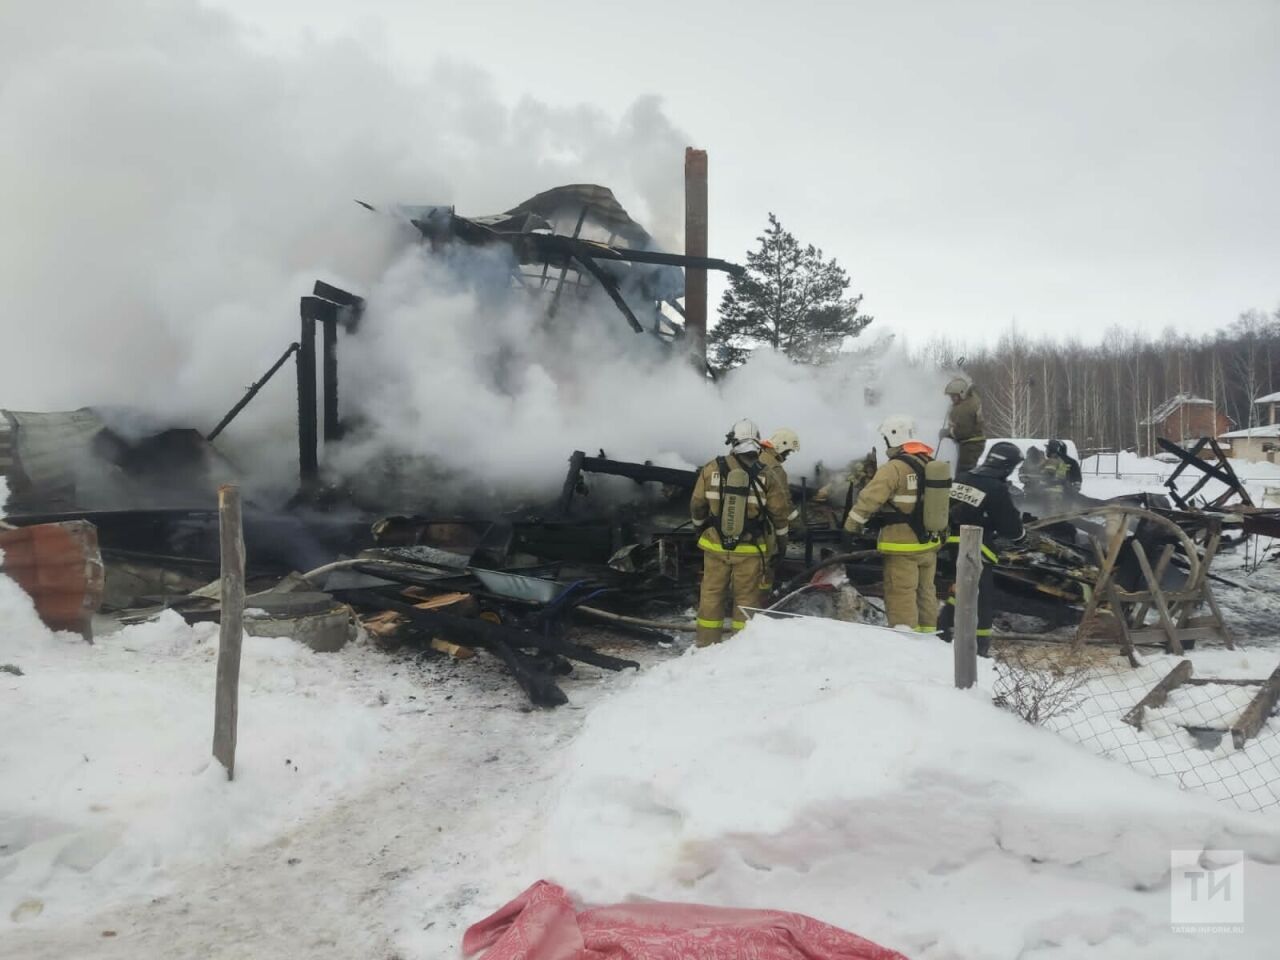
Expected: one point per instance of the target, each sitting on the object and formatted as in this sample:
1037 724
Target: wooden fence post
227 695
965 637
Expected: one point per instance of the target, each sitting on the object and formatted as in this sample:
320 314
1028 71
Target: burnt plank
1160 692
1256 713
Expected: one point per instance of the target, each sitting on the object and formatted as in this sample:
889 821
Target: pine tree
791 299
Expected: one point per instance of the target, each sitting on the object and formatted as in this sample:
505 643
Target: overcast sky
1070 165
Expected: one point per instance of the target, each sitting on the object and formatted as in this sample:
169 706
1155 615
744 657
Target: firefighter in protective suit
981 498
773 455
964 423
741 512
895 495
1059 475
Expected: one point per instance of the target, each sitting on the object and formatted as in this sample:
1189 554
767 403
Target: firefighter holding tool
964 423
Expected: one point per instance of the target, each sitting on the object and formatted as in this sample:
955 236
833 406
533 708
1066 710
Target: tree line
1103 395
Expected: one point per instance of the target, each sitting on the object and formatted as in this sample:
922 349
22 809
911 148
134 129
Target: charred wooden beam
610 287
640 472
1257 712
251 393
1159 693
329 366
308 464
501 640
1222 471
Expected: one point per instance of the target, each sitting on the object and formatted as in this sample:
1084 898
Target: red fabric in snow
542 924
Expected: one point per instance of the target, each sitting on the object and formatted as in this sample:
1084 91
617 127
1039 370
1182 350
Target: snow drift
108 781
833 769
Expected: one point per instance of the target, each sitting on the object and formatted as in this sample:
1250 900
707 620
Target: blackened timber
557 248
1225 462
610 287
1189 459
343 298
350 306
571 481
471 631
538 686
308 464
332 425
251 393
641 472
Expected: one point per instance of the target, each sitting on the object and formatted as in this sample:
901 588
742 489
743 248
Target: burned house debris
543 584
568 239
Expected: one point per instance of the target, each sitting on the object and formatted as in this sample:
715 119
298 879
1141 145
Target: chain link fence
1089 696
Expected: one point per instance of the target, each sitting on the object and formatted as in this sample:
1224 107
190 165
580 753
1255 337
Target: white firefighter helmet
743 437
785 441
897 429
956 387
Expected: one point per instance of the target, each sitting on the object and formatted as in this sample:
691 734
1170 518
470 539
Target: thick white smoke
169 192
500 395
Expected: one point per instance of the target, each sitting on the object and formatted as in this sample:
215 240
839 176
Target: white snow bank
106 777
833 769
1113 474
1248 777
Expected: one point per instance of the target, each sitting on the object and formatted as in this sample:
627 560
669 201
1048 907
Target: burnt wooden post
231 632
965 636
332 425
695 245
571 482
308 464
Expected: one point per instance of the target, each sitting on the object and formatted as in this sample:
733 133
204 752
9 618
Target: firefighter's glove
846 541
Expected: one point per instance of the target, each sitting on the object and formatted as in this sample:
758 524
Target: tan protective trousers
909 595
968 454
729 579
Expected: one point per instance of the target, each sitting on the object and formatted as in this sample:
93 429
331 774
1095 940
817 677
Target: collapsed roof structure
569 239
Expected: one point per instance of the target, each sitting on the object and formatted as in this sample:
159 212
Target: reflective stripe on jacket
767 509
895 485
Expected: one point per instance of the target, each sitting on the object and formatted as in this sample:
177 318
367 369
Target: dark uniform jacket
983 501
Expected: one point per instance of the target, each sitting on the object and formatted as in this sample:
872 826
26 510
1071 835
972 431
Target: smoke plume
170 191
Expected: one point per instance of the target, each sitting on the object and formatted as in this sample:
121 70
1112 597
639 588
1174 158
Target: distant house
1258 443
1183 419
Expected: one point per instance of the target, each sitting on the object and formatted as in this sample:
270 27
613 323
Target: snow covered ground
108 783
381 805
832 769
1111 475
